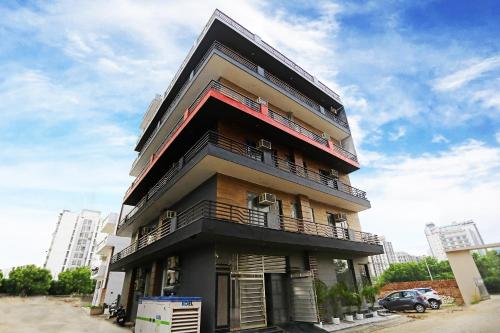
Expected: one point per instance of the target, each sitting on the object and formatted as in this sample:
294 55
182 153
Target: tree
489 268
74 281
28 280
417 271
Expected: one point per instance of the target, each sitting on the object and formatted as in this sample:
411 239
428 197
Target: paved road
480 318
49 315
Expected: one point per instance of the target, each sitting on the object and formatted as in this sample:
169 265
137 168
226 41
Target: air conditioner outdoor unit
264 144
334 173
340 217
267 199
325 136
168 214
334 111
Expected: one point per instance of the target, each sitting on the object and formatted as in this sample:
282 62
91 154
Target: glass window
345 273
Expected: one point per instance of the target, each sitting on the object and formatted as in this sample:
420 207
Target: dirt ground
55 315
50 315
483 317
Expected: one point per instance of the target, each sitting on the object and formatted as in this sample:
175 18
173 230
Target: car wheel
434 304
419 308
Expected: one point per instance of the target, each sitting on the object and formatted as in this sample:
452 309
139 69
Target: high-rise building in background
73 241
403 257
242 189
108 284
452 236
381 262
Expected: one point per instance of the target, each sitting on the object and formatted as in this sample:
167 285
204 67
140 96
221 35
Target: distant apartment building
73 241
108 284
381 262
404 257
452 236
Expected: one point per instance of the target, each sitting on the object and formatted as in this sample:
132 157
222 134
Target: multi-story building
403 257
108 284
73 241
242 193
452 236
381 262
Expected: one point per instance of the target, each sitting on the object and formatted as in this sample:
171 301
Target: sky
420 81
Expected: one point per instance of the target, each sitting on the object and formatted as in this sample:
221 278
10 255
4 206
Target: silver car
432 296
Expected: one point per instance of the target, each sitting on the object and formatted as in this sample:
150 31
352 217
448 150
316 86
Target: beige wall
465 270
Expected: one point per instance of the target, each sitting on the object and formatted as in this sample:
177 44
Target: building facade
404 257
242 193
108 284
73 241
453 236
381 262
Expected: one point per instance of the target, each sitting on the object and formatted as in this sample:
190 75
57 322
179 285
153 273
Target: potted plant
358 301
335 294
348 299
370 293
322 298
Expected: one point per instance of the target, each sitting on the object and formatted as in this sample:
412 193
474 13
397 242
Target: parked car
433 297
405 300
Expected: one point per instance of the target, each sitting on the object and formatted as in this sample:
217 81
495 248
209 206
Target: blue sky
420 82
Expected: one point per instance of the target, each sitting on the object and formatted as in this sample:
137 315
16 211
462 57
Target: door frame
228 300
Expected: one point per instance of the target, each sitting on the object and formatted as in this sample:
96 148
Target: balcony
99 272
336 117
259 111
248 163
279 228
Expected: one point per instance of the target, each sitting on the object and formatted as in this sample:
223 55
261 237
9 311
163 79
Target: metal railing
340 118
317 177
297 128
230 213
242 150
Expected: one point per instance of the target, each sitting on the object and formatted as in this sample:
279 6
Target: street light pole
428 270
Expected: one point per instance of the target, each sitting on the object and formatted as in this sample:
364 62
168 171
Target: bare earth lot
54 315
480 318
49 315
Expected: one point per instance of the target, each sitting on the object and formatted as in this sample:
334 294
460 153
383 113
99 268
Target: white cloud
439 138
463 76
398 134
407 192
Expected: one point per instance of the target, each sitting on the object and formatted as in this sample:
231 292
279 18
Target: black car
405 300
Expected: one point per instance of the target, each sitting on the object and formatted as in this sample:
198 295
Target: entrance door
303 297
276 298
248 301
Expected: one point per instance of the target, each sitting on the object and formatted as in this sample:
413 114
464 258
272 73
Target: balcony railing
340 118
297 128
231 93
324 179
241 149
225 212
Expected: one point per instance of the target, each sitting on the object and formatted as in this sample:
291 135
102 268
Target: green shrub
28 280
492 283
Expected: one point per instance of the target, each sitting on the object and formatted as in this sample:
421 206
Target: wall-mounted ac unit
267 199
168 214
340 217
261 101
334 110
325 136
334 173
264 144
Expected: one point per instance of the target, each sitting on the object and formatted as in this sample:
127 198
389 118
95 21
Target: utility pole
428 270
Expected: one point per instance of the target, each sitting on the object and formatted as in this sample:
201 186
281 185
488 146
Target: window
345 273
